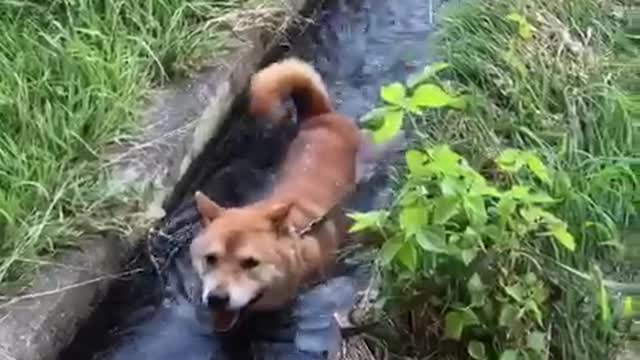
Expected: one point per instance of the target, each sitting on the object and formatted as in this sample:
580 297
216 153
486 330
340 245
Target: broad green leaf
475 285
535 309
390 127
410 196
366 220
479 186
515 17
453 325
530 278
520 192
525 29
516 291
506 206
540 293
471 234
563 236
451 186
476 289
532 214
510 160
537 167
431 96
550 218
413 218
476 211
394 93
447 159
389 251
428 72
469 317
415 162
540 198
445 208
476 350
509 354
432 239
413 109
492 231
408 256
468 255
452 248
508 316
536 341
454 238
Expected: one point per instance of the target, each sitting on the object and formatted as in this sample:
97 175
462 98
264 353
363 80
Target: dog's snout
216 301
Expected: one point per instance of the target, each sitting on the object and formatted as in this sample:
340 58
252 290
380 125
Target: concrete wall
179 121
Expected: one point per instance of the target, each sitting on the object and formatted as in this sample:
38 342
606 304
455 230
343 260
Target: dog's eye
250 263
211 260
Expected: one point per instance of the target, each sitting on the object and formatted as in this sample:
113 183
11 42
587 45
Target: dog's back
319 170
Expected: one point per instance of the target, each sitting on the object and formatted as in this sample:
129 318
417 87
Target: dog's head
242 259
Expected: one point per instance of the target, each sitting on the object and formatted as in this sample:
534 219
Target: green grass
72 77
577 108
569 93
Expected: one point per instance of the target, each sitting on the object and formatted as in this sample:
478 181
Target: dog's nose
217 301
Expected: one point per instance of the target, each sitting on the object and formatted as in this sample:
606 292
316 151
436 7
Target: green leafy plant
525 29
468 234
414 98
522 259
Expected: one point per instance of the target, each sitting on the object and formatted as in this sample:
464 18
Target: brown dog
256 257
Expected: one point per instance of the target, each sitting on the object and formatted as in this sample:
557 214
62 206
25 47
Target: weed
533 95
471 236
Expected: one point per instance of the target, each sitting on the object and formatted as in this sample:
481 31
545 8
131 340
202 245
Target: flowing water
358 46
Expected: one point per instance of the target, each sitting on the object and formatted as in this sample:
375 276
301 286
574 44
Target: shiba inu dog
257 257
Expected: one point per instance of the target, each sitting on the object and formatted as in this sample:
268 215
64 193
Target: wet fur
318 172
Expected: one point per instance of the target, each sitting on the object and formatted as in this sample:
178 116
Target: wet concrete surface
357 46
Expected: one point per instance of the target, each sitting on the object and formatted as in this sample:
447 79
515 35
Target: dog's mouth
225 320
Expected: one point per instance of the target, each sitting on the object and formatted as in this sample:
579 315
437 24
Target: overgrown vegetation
508 240
72 75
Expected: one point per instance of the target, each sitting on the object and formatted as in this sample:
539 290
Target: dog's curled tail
292 78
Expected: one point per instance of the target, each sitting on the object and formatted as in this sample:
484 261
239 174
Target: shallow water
357 46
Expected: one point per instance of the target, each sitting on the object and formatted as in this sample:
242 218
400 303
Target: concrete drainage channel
356 45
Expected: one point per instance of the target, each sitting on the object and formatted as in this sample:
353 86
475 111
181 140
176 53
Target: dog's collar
313 224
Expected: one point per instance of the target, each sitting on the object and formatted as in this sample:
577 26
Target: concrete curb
179 122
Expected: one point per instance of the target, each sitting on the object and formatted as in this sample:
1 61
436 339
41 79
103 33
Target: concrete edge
178 123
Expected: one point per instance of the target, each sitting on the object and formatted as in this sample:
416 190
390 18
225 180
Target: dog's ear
278 212
207 208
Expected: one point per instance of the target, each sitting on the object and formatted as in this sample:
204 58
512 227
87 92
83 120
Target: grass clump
508 240
72 75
